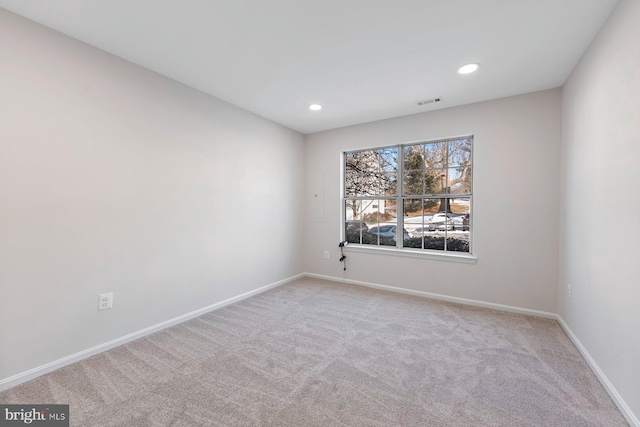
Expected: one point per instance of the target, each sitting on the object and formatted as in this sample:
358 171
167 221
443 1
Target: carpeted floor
317 353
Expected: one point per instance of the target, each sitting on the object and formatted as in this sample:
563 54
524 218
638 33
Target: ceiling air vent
428 101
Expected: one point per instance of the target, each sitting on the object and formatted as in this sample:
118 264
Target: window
423 190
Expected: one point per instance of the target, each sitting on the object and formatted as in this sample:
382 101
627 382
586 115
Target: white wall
115 179
515 207
601 191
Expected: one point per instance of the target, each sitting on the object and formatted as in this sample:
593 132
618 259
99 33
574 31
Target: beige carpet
317 353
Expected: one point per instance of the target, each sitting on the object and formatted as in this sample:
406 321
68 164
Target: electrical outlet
569 290
326 254
106 301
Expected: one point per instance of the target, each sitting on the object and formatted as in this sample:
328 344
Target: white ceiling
363 60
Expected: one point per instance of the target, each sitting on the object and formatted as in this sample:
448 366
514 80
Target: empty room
338 213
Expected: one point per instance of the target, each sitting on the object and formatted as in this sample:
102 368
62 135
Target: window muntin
425 196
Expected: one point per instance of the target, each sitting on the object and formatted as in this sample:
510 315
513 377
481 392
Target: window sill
412 253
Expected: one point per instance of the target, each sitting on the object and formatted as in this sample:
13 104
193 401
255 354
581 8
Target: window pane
413 223
459 180
413 209
435 154
354 226
432 206
436 223
460 152
361 173
370 212
460 205
414 183
414 157
434 240
435 181
369 185
458 237
412 241
389 160
352 209
380 217
372 216
389 184
351 181
390 209
350 162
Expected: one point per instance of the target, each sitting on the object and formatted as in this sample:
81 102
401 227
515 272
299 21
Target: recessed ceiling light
315 107
468 68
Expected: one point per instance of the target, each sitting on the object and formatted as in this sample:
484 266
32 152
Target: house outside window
414 196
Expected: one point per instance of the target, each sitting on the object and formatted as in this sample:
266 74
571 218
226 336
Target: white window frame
399 250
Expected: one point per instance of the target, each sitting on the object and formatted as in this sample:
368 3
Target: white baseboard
13 381
615 396
441 297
